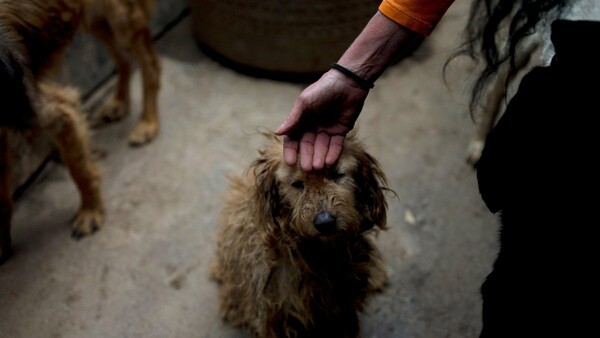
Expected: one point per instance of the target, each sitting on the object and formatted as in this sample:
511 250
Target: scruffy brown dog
33 36
294 257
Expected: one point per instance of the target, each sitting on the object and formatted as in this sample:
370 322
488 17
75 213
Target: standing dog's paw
87 222
114 110
143 133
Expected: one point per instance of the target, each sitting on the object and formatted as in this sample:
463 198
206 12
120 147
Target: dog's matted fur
294 256
33 36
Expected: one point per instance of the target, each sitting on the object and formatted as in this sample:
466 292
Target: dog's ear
370 184
268 201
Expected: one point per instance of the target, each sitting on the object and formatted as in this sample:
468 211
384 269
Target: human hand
319 120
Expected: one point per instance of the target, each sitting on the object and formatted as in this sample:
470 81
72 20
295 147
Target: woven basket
273 37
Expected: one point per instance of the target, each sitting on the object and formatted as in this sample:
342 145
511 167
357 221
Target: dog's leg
378 277
493 101
6 203
118 106
143 51
129 25
61 117
125 30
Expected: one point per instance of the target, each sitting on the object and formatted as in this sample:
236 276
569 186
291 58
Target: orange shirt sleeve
420 16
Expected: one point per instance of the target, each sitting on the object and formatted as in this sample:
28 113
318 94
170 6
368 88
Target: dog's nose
325 223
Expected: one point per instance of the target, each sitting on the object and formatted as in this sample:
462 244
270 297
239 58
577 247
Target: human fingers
290 150
320 150
307 143
336 144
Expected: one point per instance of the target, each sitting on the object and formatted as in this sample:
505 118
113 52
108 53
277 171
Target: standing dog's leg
119 105
143 51
62 119
5 196
126 31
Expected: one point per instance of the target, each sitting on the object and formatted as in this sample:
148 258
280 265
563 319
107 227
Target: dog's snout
325 223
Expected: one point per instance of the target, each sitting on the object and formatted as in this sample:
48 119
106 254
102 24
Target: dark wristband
366 84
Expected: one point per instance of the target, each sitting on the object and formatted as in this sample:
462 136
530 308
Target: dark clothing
539 172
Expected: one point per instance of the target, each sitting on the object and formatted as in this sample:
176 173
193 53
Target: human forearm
376 47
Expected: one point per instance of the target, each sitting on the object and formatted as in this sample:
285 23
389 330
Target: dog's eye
297 184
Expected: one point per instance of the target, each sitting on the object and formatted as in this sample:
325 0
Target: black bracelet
366 84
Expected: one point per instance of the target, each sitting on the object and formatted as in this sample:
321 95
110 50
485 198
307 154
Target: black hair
494 30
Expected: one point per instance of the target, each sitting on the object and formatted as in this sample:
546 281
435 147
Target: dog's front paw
114 110
378 280
143 133
87 222
474 151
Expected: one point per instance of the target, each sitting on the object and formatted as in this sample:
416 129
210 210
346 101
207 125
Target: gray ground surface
145 273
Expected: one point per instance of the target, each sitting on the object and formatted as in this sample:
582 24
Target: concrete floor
145 273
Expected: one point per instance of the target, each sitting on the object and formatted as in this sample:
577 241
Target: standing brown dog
33 36
294 256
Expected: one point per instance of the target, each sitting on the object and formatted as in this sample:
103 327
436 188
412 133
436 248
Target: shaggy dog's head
344 198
